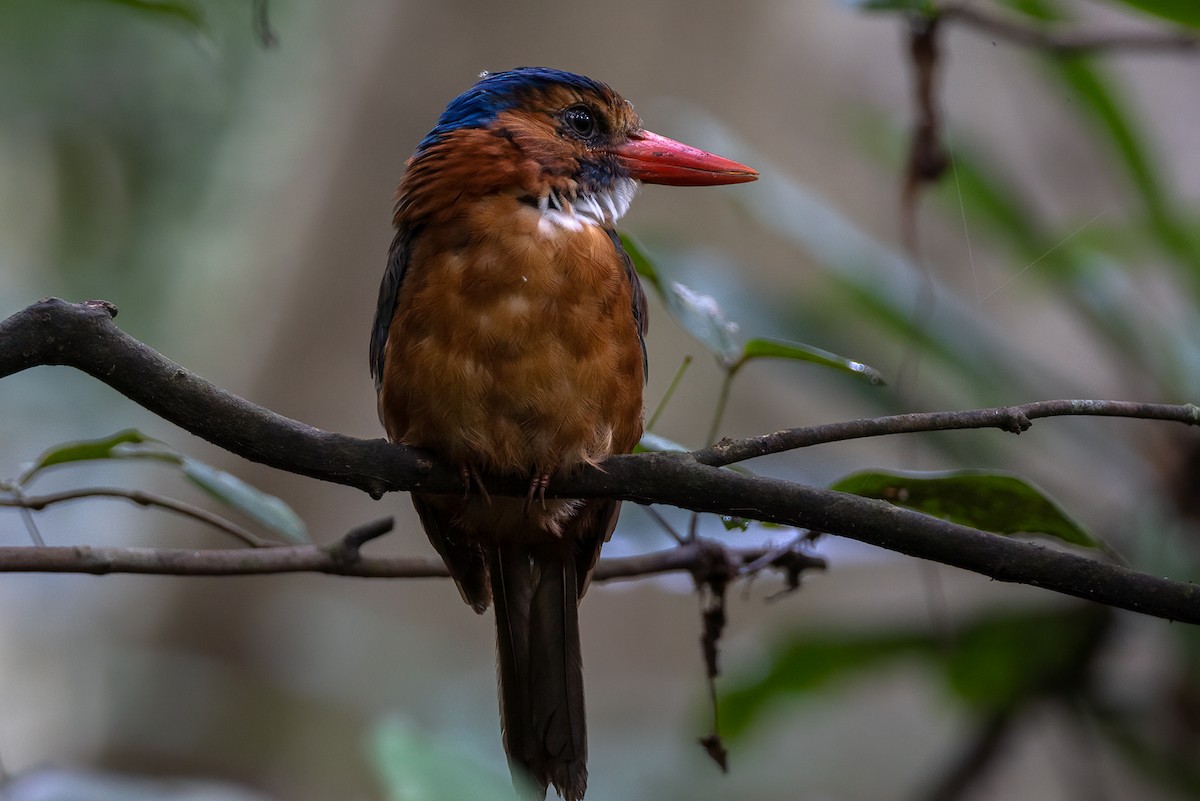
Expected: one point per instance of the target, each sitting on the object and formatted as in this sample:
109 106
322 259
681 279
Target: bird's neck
447 177
603 207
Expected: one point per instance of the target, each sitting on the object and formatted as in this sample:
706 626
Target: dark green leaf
763 348
1097 287
188 13
267 510
732 523
988 197
999 661
1174 768
1042 10
940 341
990 664
84 450
1113 118
806 664
1185 12
1103 105
996 502
876 286
641 262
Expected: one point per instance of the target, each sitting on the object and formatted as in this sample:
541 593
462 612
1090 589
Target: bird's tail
536 596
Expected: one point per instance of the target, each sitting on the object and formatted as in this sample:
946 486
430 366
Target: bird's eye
581 121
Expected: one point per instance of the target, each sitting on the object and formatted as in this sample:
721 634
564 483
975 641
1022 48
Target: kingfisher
509 339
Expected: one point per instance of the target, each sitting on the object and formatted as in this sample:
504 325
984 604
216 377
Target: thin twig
665 524
31 527
142 498
1013 419
771 556
670 393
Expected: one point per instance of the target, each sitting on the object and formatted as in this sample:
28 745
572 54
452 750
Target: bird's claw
537 489
471 479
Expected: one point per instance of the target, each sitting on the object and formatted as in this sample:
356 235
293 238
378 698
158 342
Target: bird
509 340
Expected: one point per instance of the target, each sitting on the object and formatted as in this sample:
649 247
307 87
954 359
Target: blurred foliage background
233 200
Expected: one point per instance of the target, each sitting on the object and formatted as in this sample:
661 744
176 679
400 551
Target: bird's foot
537 489
471 479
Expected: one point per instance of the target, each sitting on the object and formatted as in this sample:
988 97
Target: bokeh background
233 200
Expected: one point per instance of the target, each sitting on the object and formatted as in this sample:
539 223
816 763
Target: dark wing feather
595 526
389 296
640 312
463 555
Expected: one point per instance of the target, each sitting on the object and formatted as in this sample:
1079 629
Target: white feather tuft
602 208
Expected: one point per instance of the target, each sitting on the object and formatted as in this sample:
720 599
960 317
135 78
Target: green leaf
1113 118
946 340
653 443
1184 12
998 502
267 510
1103 105
999 661
702 317
807 664
875 285
1041 10
1174 768
109 447
641 262
764 348
188 13
993 663
412 766
699 314
733 523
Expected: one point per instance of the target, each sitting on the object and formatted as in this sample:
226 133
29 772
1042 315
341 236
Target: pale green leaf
267 510
413 766
765 348
653 443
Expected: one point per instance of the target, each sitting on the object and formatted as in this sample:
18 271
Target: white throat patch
599 208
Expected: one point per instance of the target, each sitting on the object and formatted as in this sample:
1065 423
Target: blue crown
500 91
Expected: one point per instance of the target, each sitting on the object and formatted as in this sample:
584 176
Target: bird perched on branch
508 340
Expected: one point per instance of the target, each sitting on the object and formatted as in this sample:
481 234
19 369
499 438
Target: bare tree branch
1066 42
83 336
693 557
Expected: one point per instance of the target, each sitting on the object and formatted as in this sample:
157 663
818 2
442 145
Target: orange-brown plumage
509 340
513 350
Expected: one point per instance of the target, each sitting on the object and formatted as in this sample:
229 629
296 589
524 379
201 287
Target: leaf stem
674 385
